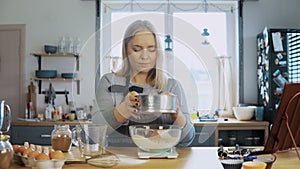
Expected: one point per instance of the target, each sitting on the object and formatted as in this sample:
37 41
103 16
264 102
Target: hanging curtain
226 98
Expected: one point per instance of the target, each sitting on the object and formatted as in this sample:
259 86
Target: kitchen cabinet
57 55
37 132
231 132
204 136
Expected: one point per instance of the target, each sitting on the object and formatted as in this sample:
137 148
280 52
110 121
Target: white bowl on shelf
244 113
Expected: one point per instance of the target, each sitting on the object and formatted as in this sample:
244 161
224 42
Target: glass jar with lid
6 151
61 137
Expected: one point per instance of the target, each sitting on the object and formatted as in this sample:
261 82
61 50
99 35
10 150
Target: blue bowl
50 49
69 75
46 73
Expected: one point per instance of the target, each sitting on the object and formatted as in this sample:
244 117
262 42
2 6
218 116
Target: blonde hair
155 76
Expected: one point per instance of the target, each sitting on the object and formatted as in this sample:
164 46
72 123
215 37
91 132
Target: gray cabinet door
34 135
205 136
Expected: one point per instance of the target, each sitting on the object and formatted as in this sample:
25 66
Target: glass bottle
62 45
70 46
77 46
61 137
48 111
6 151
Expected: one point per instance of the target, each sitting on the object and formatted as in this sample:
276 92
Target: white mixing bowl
244 113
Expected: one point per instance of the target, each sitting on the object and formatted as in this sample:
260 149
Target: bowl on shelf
155 138
69 75
46 73
50 49
244 112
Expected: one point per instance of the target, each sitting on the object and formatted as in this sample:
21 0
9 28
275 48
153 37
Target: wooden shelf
39 57
55 54
57 79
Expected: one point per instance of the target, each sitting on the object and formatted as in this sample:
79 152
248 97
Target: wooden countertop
189 158
232 122
48 123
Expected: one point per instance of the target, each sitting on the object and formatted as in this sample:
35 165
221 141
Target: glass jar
61 137
6 151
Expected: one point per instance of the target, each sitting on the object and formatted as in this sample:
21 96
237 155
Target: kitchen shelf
39 57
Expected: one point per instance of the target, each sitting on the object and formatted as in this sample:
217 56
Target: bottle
61 138
77 46
48 111
31 111
62 45
70 46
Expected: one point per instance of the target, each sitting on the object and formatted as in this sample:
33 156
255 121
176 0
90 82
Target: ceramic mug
90 139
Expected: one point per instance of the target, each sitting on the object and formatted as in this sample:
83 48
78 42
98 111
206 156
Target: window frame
233 43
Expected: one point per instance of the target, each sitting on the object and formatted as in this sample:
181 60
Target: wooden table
189 158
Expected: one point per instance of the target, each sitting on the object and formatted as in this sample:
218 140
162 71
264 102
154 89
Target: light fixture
205 34
168 43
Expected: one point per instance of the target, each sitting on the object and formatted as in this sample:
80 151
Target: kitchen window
205 44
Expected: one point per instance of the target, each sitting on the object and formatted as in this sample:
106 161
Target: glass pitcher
5 117
6 150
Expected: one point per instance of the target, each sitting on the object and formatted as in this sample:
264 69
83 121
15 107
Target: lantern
168 43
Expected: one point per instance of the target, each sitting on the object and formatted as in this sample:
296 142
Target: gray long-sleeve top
108 99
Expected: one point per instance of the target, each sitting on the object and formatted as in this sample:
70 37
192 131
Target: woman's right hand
128 108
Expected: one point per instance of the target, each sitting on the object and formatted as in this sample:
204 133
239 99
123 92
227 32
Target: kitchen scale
171 153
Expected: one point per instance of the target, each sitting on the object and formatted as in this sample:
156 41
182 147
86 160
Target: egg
42 156
16 148
57 155
33 154
27 151
22 149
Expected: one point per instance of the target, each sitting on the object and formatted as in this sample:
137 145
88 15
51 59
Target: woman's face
142 52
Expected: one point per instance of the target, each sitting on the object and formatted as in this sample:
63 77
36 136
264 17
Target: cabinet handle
45 135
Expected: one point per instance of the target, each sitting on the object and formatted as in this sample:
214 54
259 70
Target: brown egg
16 148
22 149
27 151
33 154
58 155
42 156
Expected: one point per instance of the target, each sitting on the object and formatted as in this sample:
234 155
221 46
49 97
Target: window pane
119 23
184 52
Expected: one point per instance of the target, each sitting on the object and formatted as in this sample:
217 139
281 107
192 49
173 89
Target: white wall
257 15
46 21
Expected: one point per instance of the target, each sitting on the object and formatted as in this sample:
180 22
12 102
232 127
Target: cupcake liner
232 163
254 165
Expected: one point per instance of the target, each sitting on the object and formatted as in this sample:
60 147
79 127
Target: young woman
141 72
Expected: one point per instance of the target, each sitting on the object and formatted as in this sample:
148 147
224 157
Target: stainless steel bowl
162 103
